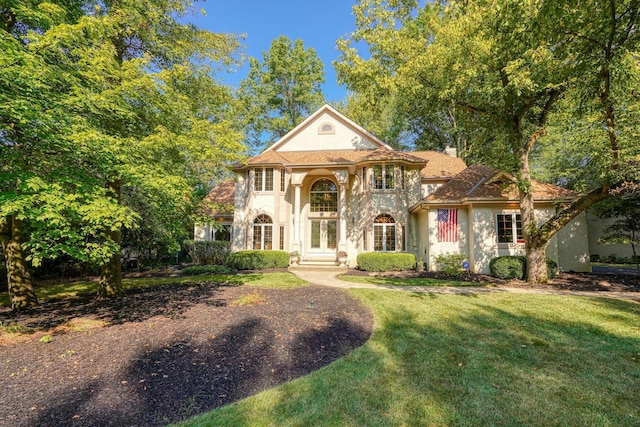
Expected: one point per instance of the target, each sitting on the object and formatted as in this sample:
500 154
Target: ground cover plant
499 359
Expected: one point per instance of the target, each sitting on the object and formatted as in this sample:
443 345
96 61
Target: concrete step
318 262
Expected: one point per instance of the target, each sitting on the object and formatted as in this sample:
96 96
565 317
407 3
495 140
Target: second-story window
263 180
324 196
383 177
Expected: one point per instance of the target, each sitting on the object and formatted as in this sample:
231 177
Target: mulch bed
563 281
169 352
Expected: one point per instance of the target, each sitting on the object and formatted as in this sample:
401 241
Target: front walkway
327 276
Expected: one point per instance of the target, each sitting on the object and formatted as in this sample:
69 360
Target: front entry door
323 235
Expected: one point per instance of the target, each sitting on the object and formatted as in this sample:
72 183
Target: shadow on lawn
448 360
190 376
139 304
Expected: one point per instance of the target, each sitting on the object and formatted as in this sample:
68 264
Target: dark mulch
564 281
169 352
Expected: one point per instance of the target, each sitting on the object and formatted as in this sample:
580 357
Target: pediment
325 130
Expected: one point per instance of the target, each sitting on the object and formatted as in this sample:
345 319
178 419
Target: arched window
263 232
324 196
384 233
326 129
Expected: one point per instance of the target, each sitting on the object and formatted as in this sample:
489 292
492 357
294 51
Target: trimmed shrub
386 261
206 269
508 267
450 263
258 260
208 252
515 267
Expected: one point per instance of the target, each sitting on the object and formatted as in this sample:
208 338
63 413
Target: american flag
448 225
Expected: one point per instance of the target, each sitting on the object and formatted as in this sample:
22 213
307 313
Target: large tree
151 100
47 186
504 66
115 103
280 91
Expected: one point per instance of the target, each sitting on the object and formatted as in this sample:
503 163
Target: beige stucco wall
344 138
486 246
201 232
595 227
573 245
436 248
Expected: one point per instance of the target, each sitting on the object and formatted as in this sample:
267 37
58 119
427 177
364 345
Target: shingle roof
439 164
482 182
307 157
384 154
223 195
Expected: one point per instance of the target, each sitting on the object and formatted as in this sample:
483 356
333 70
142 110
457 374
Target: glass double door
323 235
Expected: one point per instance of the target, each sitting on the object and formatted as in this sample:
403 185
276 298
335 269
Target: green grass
413 281
450 360
263 280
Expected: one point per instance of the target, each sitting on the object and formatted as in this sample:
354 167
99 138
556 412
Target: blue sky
317 23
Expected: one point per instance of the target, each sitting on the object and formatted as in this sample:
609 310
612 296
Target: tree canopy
128 116
495 73
280 91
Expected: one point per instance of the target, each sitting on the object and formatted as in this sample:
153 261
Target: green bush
386 261
508 267
206 269
208 252
450 263
515 267
258 260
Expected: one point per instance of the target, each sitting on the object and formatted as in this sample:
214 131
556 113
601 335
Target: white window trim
214 229
514 243
322 131
384 167
263 172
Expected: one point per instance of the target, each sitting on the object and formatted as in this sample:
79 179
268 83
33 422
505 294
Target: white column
296 218
343 218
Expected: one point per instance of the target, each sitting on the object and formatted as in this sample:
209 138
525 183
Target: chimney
451 152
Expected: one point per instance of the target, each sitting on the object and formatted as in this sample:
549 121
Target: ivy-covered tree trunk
19 280
110 285
535 245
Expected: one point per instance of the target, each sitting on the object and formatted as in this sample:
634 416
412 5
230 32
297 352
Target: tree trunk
19 280
110 285
537 264
535 246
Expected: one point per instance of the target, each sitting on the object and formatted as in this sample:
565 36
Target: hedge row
258 260
386 261
515 267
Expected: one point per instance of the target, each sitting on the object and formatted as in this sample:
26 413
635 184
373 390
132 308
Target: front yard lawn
409 281
84 287
493 360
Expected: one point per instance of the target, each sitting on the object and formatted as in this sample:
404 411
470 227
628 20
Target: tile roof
439 164
222 195
482 182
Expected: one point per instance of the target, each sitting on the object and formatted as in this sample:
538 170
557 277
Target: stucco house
329 185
